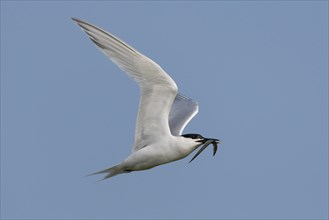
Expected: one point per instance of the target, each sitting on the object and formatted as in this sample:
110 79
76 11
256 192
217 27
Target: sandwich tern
163 112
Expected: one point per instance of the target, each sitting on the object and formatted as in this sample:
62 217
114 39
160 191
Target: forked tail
112 171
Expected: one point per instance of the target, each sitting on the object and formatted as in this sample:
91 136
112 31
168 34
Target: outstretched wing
182 111
158 90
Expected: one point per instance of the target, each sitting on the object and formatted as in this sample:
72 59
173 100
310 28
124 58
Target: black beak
207 142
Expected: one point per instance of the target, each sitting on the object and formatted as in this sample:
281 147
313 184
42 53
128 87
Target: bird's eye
197 136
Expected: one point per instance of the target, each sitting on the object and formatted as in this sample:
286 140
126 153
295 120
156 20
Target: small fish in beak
207 142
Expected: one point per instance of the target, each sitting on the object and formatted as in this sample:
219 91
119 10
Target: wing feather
158 90
182 111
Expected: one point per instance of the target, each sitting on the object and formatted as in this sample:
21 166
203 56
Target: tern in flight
163 112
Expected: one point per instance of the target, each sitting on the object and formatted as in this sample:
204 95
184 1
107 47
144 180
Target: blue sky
259 70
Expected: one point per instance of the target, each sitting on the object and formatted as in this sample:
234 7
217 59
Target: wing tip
180 96
77 20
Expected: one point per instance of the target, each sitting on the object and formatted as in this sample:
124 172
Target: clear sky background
259 70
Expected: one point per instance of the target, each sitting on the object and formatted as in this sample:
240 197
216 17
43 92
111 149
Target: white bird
162 115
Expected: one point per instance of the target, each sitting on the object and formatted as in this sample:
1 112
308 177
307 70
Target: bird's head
204 142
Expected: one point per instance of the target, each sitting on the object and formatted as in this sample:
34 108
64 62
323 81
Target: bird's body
164 150
163 112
